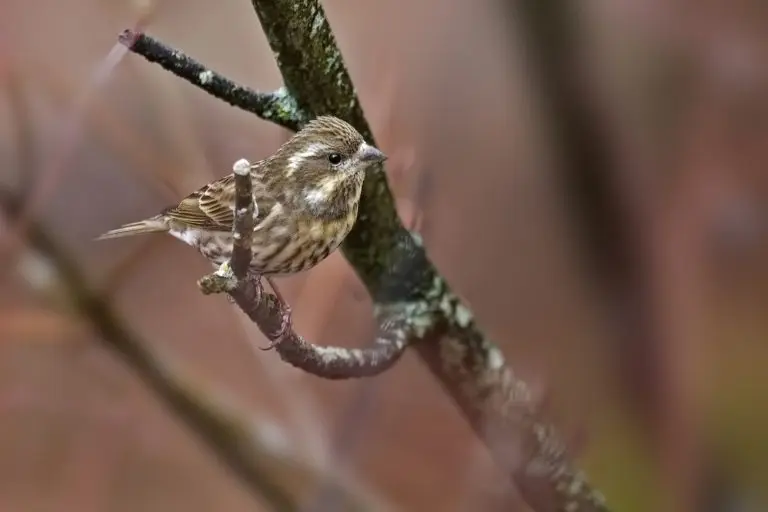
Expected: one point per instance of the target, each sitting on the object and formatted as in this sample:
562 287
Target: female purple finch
306 197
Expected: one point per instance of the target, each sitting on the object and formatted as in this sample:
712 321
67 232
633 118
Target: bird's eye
334 158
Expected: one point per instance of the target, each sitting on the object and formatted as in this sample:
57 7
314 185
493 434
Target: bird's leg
286 321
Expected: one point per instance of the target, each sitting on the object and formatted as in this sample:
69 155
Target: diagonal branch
226 429
277 106
394 267
267 312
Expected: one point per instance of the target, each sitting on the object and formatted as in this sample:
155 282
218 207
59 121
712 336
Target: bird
306 198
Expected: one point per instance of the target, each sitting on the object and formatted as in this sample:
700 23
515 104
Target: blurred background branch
276 478
638 243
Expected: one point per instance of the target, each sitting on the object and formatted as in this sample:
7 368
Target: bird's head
325 164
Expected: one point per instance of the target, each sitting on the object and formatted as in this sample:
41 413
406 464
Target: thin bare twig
277 106
266 311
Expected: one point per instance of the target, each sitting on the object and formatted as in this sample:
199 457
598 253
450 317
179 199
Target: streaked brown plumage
306 196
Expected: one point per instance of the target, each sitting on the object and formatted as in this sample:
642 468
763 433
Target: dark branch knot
221 281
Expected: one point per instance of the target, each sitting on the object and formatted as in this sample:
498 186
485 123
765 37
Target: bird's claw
285 328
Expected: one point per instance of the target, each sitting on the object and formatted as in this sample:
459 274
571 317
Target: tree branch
407 288
395 269
278 106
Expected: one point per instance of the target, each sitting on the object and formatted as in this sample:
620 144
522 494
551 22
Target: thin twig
266 311
277 106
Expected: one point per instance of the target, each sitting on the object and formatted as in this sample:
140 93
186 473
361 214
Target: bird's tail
151 225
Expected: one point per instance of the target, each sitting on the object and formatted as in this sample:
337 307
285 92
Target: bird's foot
285 321
286 326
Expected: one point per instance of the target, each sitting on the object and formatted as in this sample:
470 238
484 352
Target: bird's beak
369 153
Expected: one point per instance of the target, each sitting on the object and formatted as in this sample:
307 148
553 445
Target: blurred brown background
655 361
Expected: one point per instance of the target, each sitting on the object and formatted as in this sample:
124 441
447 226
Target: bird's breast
281 244
321 230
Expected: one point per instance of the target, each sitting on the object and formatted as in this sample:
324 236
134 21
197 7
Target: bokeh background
599 199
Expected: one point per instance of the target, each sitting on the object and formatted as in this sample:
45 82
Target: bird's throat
332 198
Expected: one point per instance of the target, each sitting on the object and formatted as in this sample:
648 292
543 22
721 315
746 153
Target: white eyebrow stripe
313 150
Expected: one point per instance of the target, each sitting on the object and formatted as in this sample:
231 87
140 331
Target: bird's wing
212 206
